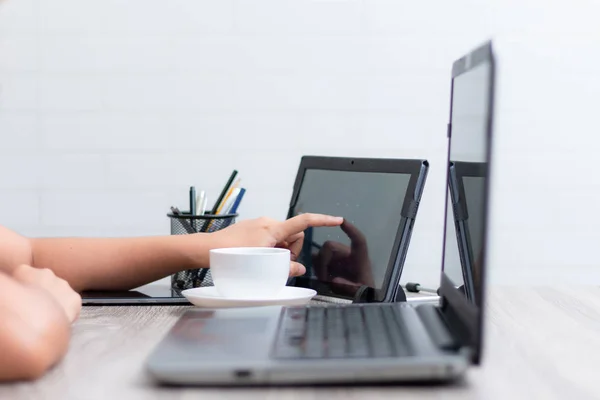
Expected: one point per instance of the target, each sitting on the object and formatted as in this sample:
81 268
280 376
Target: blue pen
237 202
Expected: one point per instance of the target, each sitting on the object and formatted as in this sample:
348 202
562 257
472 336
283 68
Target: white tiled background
111 109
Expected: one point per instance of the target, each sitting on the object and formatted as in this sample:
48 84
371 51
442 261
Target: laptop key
397 338
336 341
289 348
376 329
315 333
356 340
290 340
296 313
288 351
345 332
294 328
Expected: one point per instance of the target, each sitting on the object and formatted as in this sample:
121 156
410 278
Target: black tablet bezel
417 169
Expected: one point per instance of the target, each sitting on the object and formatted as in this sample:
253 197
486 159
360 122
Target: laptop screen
361 252
466 202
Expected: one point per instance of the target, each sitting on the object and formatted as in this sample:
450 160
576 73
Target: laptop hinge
438 329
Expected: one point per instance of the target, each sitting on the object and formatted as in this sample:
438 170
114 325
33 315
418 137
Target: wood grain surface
540 343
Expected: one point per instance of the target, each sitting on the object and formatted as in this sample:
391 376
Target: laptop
364 342
362 260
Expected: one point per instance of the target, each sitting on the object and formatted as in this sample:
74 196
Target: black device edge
461 215
152 301
123 298
131 297
395 292
464 318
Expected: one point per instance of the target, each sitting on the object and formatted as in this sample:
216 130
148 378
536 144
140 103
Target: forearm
123 263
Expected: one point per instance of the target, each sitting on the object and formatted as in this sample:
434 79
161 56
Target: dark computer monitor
467 198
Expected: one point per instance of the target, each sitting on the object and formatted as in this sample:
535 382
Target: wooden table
541 343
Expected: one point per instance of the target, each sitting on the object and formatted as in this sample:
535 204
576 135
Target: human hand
266 232
348 267
35 330
58 288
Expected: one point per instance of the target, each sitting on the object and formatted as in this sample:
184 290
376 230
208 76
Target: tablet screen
359 252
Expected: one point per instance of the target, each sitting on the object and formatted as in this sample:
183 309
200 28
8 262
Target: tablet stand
366 294
400 295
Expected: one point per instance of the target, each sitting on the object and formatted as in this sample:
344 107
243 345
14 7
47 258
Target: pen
200 208
192 200
203 205
224 209
199 202
193 205
224 192
237 202
227 198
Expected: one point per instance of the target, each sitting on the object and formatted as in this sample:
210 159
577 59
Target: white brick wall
111 107
25 124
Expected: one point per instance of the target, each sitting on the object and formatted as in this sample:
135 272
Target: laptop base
240 347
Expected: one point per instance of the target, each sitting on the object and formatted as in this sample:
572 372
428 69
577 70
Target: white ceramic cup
249 272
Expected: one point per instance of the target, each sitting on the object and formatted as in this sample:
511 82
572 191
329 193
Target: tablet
378 199
152 294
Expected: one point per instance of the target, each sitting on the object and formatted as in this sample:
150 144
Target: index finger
301 222
356 236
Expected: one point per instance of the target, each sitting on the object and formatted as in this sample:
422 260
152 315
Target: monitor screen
359 252
467 179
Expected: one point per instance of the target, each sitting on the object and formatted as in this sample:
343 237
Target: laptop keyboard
342 332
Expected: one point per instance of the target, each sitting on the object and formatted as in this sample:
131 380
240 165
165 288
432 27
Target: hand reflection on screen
347 268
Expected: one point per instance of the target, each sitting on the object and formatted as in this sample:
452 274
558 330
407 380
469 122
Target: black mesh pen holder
184 224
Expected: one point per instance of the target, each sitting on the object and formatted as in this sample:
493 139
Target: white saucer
209 297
